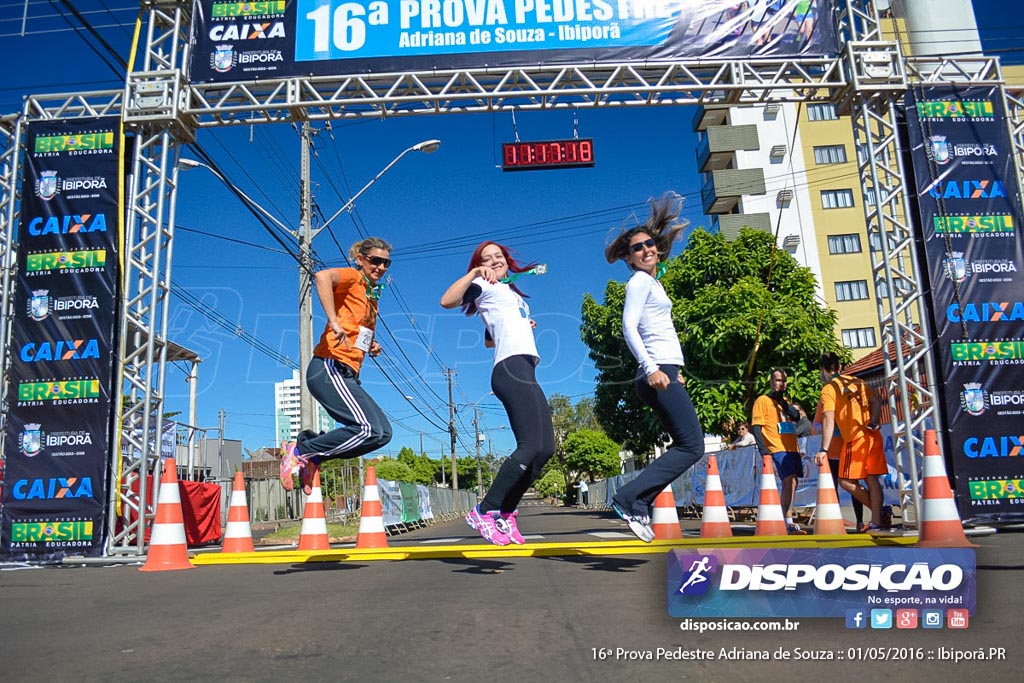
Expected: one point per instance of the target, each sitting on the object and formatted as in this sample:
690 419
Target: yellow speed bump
587 548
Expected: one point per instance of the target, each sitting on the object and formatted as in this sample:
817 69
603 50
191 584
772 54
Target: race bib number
364 339
786 428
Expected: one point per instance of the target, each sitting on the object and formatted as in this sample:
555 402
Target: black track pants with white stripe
364 427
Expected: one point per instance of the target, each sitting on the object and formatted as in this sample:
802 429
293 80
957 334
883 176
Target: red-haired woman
513 380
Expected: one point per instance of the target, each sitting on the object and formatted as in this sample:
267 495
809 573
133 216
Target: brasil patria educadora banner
238 41
63 340
971 217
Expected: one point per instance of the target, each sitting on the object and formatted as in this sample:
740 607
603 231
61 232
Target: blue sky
434 209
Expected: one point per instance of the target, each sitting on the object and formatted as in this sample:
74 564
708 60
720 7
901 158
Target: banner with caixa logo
241 41
63 340
819 582
970 211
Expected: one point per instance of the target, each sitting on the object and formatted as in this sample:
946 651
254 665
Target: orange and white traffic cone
664 518
238 535
940 522
168 549
313 535
770 520
371 518
715 521
828 516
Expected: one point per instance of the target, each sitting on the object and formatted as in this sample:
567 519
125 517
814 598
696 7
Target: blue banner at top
234 41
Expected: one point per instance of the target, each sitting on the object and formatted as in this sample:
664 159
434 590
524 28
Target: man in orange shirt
851 408
773 421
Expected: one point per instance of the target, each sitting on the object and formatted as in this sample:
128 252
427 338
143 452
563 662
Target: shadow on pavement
600 564
318 567
477 566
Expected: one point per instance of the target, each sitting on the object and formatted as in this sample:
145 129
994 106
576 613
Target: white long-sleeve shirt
647 324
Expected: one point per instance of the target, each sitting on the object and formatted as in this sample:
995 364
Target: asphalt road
520 619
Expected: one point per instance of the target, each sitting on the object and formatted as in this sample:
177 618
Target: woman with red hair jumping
486 289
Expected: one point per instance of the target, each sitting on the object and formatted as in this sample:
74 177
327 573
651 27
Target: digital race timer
528 156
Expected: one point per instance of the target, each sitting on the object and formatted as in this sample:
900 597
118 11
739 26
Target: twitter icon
881 618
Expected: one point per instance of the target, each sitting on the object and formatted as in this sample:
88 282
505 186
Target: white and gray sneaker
638 524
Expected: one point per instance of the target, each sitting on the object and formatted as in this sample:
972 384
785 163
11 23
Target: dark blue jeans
675 411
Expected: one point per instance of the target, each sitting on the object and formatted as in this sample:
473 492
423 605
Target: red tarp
200 509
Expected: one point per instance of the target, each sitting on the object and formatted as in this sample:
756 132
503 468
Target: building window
836 199
824 111
851 290
830 154
844 244
859 338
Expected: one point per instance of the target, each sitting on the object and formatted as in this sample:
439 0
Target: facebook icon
855 618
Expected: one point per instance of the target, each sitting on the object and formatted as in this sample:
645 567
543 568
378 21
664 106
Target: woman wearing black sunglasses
487 289
652 339
349 298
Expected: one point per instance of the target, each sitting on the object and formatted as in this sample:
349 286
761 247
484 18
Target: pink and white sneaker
507 523
290 463
307 472
486 524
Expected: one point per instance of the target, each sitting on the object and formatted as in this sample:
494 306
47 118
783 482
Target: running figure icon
697 573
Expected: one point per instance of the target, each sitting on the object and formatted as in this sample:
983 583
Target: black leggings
676 413
514 382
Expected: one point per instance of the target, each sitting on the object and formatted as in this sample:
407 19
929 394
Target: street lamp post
305 236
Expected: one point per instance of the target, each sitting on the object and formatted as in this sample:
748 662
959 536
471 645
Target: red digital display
529 156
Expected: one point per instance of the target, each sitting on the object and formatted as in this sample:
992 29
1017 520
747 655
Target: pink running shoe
290 463
485 523
506 522
307 471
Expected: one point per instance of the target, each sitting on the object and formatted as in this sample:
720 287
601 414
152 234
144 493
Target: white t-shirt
647 324
506 316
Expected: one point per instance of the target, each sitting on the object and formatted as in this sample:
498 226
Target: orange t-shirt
835 446
777 432
354 310
849 398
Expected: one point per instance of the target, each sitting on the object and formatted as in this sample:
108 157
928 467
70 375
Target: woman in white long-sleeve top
652 339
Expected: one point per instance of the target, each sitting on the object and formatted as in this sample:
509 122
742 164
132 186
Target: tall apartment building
286 410
792 169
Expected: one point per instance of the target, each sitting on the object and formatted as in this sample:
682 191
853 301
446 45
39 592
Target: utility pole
220 446
476 438
305 239
451 429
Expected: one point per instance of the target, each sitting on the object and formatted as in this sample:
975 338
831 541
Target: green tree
420 467
591 452
406 456
740 308
567 418
392 470
550 484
